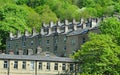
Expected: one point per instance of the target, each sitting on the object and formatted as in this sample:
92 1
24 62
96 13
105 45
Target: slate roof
33 57
79 31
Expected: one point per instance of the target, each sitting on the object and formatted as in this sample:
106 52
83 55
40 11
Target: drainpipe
35 67
75 69
8 68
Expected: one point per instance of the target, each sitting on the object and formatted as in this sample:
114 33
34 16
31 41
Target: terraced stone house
60 39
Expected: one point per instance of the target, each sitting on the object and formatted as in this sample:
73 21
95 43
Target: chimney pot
51 24
11 35
26 33
18 34
66 22
34 32
82 21
66 26
74 24
83 25
58 24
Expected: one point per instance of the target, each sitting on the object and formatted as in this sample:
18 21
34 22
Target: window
23 44
63 67
24 52
16 44
40 66
39 42
9 45
48 48
32 65
48 66
17 52
56 66
83 40
64 39
24 65
73 42
64 48
31 42
5 64
55 49
23 38
48 41
71 67
16 64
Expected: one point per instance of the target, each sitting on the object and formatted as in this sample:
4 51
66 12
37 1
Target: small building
36 65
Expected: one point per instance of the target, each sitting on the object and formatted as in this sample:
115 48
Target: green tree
117 7
86 3
14 17
63 9
99 56
111 26
3 2
104 2
88 12
33 18
108 10
46 14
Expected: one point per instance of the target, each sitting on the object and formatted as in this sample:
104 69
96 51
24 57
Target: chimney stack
82 21
11 52
50 28
42 29
51 24
11 35
58 26
18 34
83 25
66 26
34 32
26 33
74 24
20 52
93 23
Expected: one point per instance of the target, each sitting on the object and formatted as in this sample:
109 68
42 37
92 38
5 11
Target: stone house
61 39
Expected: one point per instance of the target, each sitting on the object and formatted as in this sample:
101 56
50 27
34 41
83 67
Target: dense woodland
100 55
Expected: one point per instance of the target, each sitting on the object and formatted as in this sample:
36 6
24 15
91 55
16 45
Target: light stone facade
31 66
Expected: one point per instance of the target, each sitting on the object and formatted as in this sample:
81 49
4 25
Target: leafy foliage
15 18
46 14
111 26
100 55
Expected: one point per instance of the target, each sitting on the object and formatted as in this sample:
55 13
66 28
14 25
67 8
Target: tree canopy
99 56
111 26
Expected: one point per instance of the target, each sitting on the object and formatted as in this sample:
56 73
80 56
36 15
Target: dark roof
33 57
79 31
